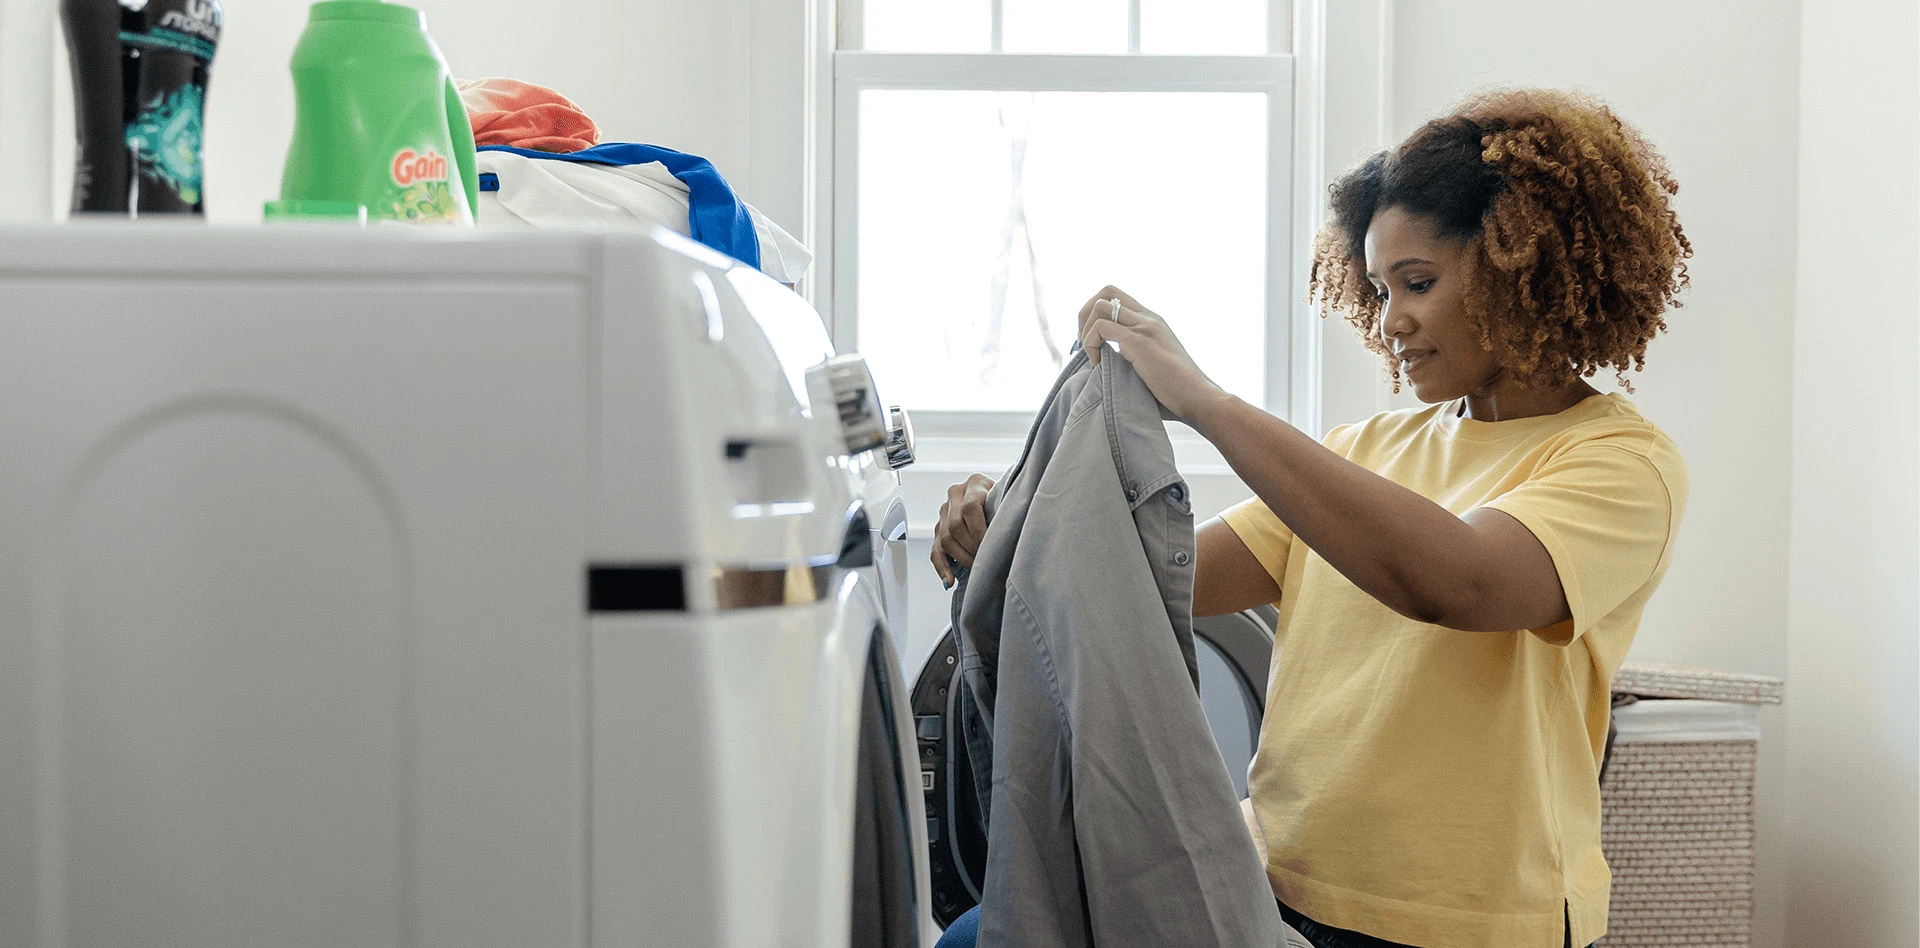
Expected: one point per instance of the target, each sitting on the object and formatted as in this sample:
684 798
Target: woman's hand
1147 343
963 522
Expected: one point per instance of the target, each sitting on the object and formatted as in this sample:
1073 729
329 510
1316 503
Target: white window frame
1291 81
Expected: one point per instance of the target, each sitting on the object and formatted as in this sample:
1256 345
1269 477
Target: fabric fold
524 115
1111 819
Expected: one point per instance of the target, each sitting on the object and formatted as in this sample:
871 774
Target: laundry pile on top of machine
542 165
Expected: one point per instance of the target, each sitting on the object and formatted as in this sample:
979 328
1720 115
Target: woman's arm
1226 576
962 524
1480 572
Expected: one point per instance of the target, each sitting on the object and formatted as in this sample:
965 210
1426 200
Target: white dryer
397 588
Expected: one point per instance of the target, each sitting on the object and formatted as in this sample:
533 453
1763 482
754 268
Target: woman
1457 584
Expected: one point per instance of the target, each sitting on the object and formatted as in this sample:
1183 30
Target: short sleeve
1266 537
1607 513
1256 525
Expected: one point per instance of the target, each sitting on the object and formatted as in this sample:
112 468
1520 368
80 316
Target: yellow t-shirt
1440 788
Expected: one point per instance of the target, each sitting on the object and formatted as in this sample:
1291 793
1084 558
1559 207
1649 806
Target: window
994 162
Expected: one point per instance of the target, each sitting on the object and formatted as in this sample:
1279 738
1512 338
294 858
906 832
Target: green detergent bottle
377 120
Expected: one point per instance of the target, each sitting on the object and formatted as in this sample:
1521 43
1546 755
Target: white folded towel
569 195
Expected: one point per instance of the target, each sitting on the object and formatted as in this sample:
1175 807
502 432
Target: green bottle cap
367 10
342 211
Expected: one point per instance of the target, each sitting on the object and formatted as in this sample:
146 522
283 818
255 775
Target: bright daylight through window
997 162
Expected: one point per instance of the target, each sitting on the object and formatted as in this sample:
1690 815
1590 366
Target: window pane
1064 26
928 26
976 206
1202 27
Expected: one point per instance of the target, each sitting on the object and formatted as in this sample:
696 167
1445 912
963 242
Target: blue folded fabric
715 215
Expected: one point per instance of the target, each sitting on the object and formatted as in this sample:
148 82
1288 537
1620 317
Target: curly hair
1573 249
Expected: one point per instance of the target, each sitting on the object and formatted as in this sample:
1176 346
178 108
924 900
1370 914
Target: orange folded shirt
523 115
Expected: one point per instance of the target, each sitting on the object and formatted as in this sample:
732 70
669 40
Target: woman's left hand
1146 342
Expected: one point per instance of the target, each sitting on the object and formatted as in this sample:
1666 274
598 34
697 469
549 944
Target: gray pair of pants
1111 818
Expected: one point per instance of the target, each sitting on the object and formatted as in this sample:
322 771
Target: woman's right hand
963 522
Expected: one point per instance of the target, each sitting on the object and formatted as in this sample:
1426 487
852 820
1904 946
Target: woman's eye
1380 292
1420 286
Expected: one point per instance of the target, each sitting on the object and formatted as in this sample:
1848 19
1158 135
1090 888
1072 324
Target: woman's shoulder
1613 420
1609 433
1385 427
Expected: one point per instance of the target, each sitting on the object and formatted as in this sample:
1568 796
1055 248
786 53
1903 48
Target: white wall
1852 602
26 108
666 72
1713 86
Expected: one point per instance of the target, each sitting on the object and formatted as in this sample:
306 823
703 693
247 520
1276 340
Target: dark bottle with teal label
140 71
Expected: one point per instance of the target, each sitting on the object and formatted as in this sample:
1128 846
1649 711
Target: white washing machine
403 588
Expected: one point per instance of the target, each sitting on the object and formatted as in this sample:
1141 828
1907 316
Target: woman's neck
1502 399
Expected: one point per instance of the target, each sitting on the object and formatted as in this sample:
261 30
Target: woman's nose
1394 321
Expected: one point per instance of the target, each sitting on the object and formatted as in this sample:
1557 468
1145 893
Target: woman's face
1420 277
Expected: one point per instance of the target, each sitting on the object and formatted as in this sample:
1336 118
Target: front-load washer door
886 904
1234 651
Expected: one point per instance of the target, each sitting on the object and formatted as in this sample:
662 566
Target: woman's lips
1413 360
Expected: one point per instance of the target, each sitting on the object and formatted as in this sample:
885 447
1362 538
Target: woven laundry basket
1656 680
1677 807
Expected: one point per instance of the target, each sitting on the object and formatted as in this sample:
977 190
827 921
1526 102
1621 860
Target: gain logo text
410 166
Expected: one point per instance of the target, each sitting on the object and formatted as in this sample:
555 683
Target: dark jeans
964 931
1326 936
966 928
